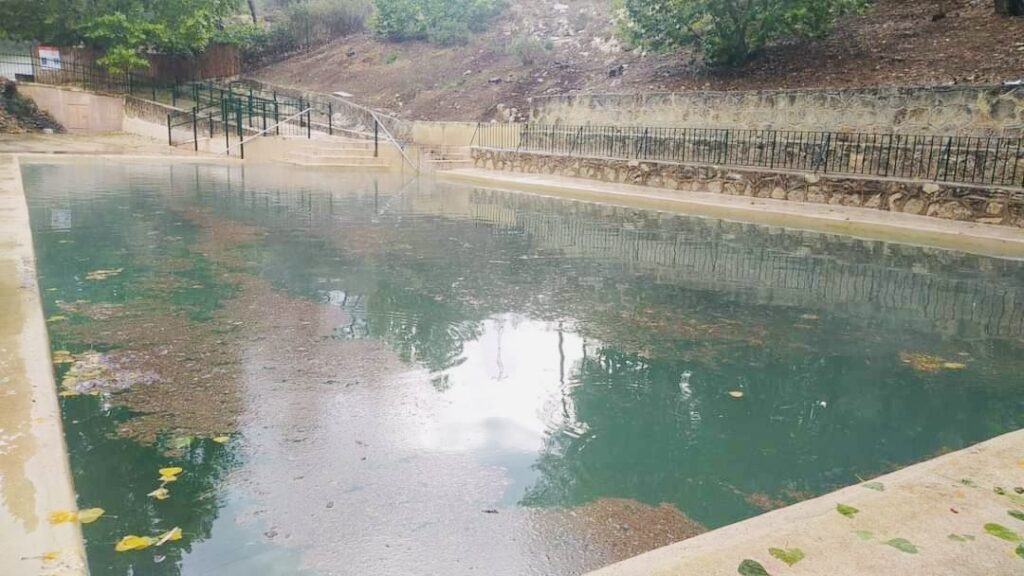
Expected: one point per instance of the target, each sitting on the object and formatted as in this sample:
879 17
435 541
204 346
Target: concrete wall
955 202
76 110
443 133
946 111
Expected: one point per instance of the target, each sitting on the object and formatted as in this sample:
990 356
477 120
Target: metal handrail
387 133
241 143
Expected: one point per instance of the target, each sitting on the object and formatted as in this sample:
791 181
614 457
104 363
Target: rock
778 193
616 71
350 53
495 80
930 188
914 206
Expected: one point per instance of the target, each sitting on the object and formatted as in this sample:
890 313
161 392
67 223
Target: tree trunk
252 11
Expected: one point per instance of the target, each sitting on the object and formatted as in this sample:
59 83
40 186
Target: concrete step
331 164
333 158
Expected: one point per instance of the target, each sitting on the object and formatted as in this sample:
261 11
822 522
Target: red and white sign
49 58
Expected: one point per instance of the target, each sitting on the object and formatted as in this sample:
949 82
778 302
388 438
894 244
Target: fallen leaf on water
928 363
736 393
103 274
56 318
50 555
89 515
903 545
160 493
960 537
752 568
169 536
62 516
63 357
788 555
169 474
1016 514
864 534
1020 550
848 511
132 542
221 439
876 486
1000 531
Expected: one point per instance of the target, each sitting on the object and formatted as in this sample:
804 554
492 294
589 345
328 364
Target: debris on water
97 372
736 393
92 310
490 511
170 474
160 493
929 363
103 274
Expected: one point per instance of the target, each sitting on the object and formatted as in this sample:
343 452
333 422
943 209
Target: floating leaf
160 493
181 442
132 542
903 545
954 365
877 486
1000 531
960 537
1016 514
788 555
736 393
221 439
169 536
1020 550
103 274
90 515
169 474
848 511
50 555
752 568
864 534
969 482
63 357
62 516
57 318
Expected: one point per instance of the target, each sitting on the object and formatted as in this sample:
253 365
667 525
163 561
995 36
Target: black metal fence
974 160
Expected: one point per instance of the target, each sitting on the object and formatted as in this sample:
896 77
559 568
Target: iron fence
963 159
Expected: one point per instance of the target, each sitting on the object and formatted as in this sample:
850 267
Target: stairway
446 158
333 152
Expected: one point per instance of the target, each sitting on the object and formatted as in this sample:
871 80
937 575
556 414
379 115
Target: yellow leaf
132 542
168 479
89 515
736 393
50 555
57 318
221 439
954 366
171 471
62 357
169 536
66 393
62 516
160 493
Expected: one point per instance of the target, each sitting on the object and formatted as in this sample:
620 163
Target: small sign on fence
49 58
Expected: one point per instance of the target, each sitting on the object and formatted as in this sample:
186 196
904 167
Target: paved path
984 239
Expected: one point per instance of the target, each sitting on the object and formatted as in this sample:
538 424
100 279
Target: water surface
414 378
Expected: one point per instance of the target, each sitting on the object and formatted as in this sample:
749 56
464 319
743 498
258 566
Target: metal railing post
309 124
170 141
330 118
376 137
195 127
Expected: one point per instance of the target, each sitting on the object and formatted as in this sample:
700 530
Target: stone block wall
942 111
986 205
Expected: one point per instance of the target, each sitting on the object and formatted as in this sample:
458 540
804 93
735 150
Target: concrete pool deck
923 504
940 507
983 239
35 478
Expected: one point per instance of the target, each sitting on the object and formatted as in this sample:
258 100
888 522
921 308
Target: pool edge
981 239
36 478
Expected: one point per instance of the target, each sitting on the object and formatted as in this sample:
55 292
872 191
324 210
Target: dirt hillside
896 42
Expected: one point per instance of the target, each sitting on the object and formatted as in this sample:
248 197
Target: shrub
528 49
730 31
445 22
299 25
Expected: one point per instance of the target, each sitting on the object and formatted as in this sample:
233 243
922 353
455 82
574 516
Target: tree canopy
730 31
122 29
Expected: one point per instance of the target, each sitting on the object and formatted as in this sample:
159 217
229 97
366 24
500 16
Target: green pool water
409 377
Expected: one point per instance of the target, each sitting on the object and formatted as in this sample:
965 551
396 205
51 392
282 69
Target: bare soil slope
896 42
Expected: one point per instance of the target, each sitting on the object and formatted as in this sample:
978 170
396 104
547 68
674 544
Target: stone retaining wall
941 111
985 205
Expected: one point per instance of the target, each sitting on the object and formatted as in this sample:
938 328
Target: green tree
730 31
445 22
122 29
